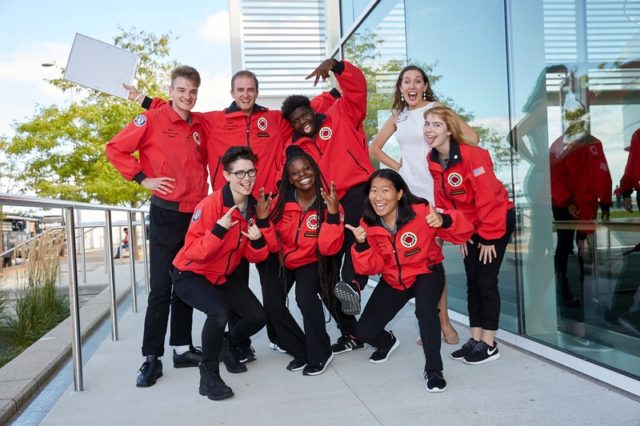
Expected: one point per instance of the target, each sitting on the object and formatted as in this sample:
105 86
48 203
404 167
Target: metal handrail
69 208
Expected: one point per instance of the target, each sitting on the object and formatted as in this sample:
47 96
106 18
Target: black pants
317 342
286 331
385 302
483 296
353 205
217 302
167 229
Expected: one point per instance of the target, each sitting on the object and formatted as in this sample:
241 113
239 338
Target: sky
37 32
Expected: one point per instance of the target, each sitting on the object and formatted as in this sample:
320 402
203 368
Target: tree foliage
363 50
61 148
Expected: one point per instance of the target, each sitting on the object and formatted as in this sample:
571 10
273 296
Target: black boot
150 371
211 385
229 355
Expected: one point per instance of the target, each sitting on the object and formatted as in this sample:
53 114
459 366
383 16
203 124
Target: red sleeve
201 244
324 100
631 178
353 102
460 229
366 259
120 149
491 210
253 254
269 233
331 234
157 103
604 183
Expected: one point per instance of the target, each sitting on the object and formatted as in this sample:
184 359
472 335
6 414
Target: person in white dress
413 96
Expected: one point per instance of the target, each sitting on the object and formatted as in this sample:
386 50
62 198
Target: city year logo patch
196 215
262 123
140 120
454 179
312 221
325 133
408 239
196 138
593 149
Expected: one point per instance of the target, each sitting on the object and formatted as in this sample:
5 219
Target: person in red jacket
309 224
223 231
464 180
171 164
397 239
263 130
631 178
335 140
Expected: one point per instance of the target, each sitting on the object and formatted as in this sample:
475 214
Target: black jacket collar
228 201
233 107
454 154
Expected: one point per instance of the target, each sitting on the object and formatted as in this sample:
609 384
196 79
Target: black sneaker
150 371
296 364
314 370
346 344
380 355
229 355
190 358
246 354
349 298
482 353
465 350
435 381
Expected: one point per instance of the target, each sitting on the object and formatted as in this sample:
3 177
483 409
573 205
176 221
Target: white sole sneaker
393 348
324 367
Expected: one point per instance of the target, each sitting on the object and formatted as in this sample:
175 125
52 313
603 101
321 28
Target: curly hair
398 103
292 102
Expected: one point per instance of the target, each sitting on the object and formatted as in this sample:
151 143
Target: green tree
62 147
362 49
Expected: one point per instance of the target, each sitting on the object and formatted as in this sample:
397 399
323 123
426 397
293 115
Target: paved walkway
517 389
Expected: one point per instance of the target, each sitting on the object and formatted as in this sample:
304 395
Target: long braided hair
327 265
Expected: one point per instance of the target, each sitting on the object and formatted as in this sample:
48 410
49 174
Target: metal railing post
74 304
108 243
83 253
145 259
132 264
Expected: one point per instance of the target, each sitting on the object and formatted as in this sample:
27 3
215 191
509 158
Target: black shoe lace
480 347
144 367
196 350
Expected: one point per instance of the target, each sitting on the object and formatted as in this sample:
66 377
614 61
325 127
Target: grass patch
37 308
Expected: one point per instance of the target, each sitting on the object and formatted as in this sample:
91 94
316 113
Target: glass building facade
519 72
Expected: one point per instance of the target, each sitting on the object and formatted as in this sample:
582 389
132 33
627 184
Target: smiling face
244 186
245 93
301 174
384 198
303 121
436 133
184 94
412 86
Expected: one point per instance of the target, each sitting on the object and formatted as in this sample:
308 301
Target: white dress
414 149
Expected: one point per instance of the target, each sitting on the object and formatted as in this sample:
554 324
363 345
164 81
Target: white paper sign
100 66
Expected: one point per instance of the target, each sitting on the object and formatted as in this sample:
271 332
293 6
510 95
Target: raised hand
359 232
163 185
225 221
434 219
253 232
263 205
322 71
331 199
133 92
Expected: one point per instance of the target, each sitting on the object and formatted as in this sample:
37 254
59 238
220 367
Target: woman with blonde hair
464 180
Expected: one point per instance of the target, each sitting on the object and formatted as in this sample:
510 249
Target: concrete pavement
517 389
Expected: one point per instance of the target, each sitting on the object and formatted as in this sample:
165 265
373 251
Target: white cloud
23 81
215 28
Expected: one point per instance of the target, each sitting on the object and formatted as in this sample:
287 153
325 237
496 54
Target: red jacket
264 131
167 146
298 234
213 251
631 178
580 176
413 249
468 184
339 146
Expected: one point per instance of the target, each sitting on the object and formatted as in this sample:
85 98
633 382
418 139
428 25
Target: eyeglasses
240 174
